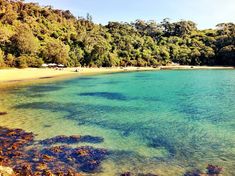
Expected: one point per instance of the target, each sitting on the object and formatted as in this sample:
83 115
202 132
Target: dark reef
17 150
72 140
107 95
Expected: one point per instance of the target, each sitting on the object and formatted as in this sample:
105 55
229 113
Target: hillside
31 35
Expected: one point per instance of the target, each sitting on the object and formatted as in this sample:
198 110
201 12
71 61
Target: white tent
52 65
44 65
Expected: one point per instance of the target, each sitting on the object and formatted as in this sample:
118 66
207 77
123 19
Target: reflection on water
166 122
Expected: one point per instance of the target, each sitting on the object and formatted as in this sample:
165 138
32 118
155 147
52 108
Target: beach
30 74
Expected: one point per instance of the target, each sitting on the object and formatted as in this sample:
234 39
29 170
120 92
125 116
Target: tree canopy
31 34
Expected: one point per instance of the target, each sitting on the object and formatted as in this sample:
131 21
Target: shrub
10 60
25 61
22 61
2 63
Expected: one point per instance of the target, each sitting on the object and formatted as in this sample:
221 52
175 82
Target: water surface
163 122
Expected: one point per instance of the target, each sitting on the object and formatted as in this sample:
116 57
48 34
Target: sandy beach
30 74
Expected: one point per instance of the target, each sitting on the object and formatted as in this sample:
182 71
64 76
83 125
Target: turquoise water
163 122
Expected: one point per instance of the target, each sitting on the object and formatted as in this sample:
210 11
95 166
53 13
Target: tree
77 57
195 56
55 51
9 16
89 17
226 28
10 60
184 27
52 35
22 61
168 28
26 42
227 55
6 33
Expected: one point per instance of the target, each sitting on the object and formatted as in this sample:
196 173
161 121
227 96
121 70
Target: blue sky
206 13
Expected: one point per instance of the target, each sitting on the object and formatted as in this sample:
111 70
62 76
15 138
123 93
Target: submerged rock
139 174
18 152
193 173
71 140
126 174
213 169
106 95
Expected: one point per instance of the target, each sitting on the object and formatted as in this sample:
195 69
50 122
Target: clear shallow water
165 122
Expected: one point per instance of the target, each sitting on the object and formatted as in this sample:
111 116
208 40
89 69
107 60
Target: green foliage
25 61
6 32
22 61
227 55
25 41
10 60
2 63
55 51
31 34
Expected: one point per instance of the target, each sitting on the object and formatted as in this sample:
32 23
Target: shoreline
13 76
20 77
189 67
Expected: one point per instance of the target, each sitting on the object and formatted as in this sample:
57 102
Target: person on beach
77 70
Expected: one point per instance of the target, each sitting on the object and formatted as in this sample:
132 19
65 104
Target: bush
22 61
25 61
34 61
2 63
10 60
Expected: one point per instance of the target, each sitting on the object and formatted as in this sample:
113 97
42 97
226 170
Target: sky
205 13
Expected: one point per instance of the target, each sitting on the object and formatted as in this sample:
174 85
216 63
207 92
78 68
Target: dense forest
31 35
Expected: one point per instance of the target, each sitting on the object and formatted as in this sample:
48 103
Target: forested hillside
31 35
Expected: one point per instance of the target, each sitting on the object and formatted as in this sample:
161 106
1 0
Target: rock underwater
22 155
17 151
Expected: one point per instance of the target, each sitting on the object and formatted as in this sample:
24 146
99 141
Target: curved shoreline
12 77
